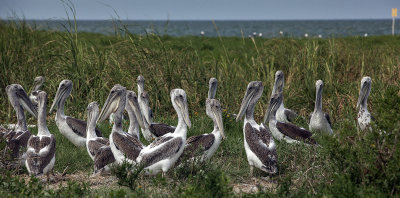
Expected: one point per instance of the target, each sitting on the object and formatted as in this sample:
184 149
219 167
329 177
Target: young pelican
285 131
124 146
41 153
98 148
282 114
151 130
18 138
162 153
207 143
38 83
364 117
73 129
320 121
134 114
258 142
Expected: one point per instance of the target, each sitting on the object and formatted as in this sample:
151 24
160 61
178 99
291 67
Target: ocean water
294 28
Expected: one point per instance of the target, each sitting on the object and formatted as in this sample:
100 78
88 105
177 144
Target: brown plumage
295 132
165 151
37 160
160 129
253 136
17 141
79 127
127 144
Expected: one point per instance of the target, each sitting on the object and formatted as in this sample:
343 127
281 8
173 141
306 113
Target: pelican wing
79 127
290 115
41 151
260 146
295 132
95 145
328 118
103 157
161 129
127 144
264 134
16 141
201 142
167 150
159 141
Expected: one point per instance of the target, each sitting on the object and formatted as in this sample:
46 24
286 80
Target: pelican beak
363 93
218 118
183 107
268 112
245 103
134 105
26 103
110 106
64 88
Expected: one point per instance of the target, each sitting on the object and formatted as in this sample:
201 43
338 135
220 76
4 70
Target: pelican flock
165 145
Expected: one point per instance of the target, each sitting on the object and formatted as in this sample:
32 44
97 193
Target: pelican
320 121
98 148
41 153
38 83
282 114
285 131
135 116
162 153
151 130
258 142
207 143
18 138
73 129
124 146
364 117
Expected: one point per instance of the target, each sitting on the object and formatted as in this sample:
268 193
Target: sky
201 9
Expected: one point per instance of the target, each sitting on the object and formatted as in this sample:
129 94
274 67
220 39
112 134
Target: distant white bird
202 33
254 34
281 32
260 34
365 35
306 35
319 36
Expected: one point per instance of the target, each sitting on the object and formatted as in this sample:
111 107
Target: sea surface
267 28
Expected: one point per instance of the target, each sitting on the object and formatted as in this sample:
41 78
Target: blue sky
203 9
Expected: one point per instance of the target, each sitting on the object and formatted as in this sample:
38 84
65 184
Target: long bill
363 93
110 106
184 110
26 103
59 94
218 118
134 105
245 103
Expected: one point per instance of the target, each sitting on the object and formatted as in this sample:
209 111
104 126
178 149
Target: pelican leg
251 170
48 177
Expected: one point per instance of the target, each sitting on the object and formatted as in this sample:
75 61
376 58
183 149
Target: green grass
348 164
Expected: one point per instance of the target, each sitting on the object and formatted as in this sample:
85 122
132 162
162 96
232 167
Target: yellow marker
394 12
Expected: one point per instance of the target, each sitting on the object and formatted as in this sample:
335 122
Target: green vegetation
351 163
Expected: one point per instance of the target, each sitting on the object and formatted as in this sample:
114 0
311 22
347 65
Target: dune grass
351 163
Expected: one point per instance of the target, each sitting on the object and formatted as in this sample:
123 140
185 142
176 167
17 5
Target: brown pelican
320 121
151 130
38 83
207 143
162 153
364 117
124 146
134 113
73 129
98 148
258 142
282 114
41 153
285 131
18 138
